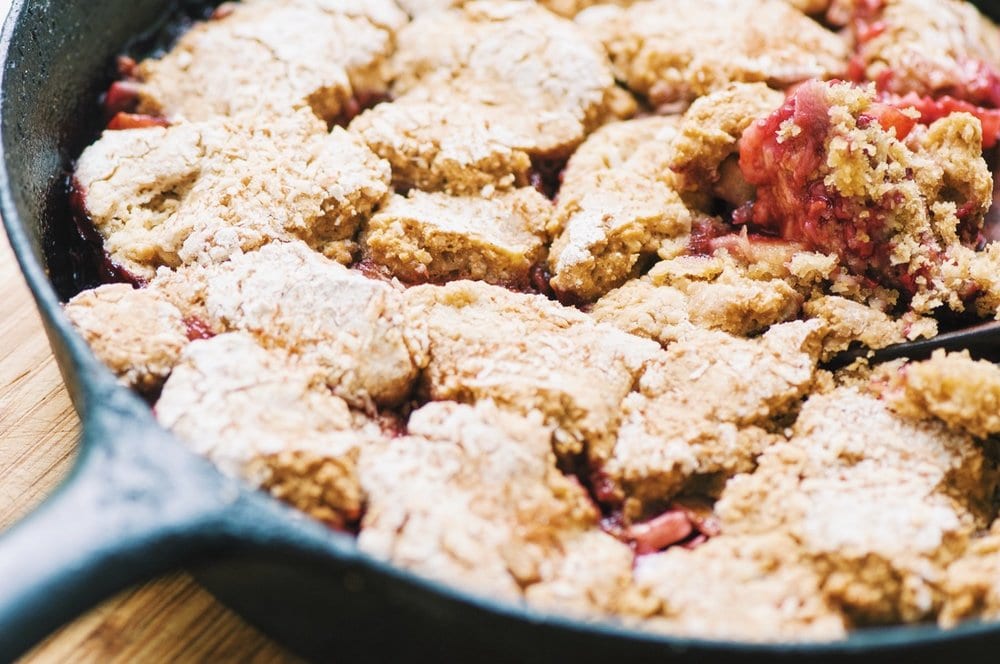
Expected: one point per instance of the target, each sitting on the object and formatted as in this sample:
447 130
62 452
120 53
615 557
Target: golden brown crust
351 329
436 237
674 52
166 197
254 61
529 354
951 387
260 415
137 333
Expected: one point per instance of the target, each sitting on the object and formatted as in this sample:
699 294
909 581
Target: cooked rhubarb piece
834 173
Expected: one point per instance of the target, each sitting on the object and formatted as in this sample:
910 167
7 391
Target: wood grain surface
168 620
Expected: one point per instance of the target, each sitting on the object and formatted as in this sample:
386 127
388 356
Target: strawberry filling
783 154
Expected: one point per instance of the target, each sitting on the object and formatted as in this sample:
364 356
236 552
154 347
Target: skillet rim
85 376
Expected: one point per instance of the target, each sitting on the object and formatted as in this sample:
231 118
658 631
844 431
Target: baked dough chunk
137 333
709 135
436 237
930 47
201 192
674 52
561 7
351 328
543 79
259 415
473 496
950 387
973 582
529 354
456 147
848 321
712 292
897 201
698 415
746 588
617 207
879 505
255 60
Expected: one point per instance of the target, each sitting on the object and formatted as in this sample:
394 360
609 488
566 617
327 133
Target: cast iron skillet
138 504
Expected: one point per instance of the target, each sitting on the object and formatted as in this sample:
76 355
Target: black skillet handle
136 505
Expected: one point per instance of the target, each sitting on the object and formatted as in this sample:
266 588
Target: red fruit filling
135 121
108 272
794 203
358 104
197 329
121 97
547 175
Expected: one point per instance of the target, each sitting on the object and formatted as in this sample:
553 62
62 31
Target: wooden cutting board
168 620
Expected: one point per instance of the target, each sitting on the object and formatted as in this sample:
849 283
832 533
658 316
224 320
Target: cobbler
540 299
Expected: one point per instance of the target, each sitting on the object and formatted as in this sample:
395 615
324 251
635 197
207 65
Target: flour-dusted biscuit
739 588
528 354
436 237
473 496
261 415
713 292
139 334
353 330
459 147
919 490
674 52
547 82
617 206
256 60
699 414
203 192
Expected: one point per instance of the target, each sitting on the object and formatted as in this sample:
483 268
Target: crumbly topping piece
253 60
456 147
674 52
929 47
849 322
897 201
551 82
436 237
200 192
617 207
473 496
972 585
710 134
561 7
529 354
951 387
712 292
879 505
746 588
137 333
352 329
699 413
259 415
